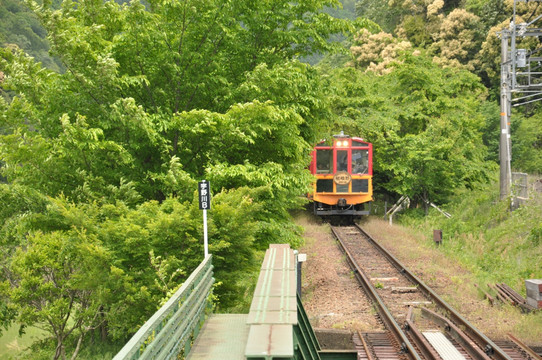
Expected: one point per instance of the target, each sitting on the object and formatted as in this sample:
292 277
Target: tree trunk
425 200
103 327
60 351
77 348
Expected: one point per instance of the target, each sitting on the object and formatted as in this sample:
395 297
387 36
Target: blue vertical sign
204 191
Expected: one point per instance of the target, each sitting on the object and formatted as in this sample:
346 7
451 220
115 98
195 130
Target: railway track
420 324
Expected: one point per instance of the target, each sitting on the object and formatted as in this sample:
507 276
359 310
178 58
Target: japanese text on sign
204 189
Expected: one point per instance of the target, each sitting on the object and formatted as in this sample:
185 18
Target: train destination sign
342 178
204 190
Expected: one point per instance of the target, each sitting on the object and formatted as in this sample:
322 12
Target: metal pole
504 150
205 242
299 265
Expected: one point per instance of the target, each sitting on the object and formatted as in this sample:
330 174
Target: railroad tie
403 289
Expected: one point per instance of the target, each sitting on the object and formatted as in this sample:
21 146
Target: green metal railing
169 333
306 345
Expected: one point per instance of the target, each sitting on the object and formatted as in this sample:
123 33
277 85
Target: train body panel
343 173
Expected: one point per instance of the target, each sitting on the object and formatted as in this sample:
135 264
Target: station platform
267 331
276 327
223 336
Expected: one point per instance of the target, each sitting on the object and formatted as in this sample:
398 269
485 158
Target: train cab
343 170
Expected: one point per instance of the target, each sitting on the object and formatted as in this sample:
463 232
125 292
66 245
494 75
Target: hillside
19 26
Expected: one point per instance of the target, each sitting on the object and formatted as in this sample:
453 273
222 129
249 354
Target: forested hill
100 155
19 26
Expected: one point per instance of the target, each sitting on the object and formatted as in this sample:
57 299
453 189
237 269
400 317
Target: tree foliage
77 269
424 122
377 52
20 27
457 34
527 144
155 97
458 39
62 281
379 12
100 162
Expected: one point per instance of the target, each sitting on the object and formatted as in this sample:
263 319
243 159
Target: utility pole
521 83
504 149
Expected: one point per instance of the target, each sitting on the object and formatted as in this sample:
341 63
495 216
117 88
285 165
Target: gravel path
331 295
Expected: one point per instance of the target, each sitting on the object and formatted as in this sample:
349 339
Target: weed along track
420 323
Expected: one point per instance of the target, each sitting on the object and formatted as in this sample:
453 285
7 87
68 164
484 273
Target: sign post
204 191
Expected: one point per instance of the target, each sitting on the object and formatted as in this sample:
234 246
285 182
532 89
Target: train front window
358 143
342 160
324 161
360 161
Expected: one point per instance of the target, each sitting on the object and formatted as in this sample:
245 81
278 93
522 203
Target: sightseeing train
343 168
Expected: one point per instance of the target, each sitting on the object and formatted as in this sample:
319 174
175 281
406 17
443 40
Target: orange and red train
343 168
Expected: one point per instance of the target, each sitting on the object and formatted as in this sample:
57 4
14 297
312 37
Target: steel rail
387 317
524 347
474 351
428 351
365 347
483 341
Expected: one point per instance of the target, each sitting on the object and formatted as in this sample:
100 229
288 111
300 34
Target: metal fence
169 333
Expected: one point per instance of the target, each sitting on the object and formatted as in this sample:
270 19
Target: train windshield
356 142
324 161
342 160
360 161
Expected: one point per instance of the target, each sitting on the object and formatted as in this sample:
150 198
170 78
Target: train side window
324 161
360 161
342 160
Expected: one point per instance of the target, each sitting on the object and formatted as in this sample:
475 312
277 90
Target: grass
12 345
15 347
494 243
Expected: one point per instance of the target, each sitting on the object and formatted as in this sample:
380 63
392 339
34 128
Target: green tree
20 27
131 73
527 144
61 281
379 12
490 12
424 122
492 129
17 205
154 98
106 267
